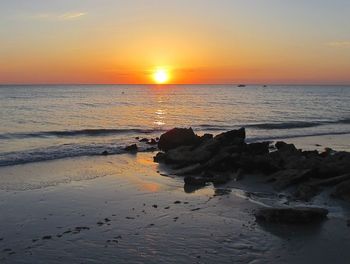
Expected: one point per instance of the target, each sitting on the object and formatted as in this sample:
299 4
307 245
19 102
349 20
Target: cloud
339 44
71 16
59 17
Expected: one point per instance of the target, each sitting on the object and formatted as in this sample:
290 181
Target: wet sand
336 142
125 209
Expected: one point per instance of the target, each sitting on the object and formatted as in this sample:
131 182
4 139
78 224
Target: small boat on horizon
241 85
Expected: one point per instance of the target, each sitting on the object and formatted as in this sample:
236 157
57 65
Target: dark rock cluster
294 215
220 158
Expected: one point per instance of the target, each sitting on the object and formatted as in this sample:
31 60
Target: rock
342 191
258 163
306 191
258 147
217 177
310 153
332 180
286 178
184 156
291 215
327 152
131 148
206 137
181 155
152 142
211 146
232 137
335 165
192 169
159 157
215 162
105 153
239 175
177 137
144 140
284 147
151 149
195 181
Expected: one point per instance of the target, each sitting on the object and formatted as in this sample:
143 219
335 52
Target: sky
195 41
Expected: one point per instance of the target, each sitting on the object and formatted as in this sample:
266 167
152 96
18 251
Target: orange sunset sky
231 41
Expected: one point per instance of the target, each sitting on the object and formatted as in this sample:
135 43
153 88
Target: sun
161 76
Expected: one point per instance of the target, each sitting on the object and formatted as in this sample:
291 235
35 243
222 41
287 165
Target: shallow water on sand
135 215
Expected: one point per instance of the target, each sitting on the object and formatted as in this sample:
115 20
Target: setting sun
161 76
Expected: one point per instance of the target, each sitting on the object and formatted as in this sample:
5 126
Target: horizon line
168 84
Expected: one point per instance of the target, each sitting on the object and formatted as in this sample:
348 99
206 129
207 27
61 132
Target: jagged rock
291 215
327 152
184 155
286 178
342 191
211 146
216 160
205 137
258 147
217 177
232 137
260 163
306 191
284 147
177 137
332 180
191 169
195 181
310 153
131 148
144 140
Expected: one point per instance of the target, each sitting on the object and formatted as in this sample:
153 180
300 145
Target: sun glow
161 76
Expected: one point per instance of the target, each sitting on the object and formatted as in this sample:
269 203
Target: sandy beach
128 209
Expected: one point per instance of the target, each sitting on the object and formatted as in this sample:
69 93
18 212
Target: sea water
47 122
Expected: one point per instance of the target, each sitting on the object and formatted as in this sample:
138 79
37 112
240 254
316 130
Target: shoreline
97 209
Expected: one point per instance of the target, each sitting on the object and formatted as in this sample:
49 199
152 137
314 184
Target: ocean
48 122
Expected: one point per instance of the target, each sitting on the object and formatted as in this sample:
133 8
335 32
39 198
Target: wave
275 125
209 127
281 137
285 125
344 121
61 152
298 124
73 133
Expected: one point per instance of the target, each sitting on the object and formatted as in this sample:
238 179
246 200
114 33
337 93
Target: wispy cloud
339 44
59 17
71 16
